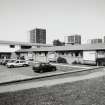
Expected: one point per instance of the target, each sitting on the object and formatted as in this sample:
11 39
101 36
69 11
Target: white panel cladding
89 55
7 48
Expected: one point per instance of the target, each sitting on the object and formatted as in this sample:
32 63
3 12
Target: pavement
71 65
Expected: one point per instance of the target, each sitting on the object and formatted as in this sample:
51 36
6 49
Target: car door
42 67
16 63
22 63
46 67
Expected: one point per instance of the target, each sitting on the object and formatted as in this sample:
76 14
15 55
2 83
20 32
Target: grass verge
86 92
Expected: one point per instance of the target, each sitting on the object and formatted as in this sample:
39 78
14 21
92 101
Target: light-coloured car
4 61
17 63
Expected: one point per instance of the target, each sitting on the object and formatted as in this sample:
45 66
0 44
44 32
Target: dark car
43 67
100 61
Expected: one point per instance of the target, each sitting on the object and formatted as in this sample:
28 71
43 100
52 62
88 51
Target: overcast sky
59 17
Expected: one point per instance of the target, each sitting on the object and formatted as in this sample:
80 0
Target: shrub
61 60
75 62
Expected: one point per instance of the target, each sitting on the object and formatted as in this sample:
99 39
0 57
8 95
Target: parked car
4 61
43 67
11 60
17 63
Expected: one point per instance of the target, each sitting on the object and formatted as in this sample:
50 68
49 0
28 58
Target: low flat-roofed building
9 47
69 52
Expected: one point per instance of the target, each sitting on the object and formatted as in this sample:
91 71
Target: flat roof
23 43
84 47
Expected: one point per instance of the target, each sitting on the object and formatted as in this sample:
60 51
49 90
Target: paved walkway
46 83
71 65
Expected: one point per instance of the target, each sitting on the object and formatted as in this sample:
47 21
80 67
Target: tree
58 43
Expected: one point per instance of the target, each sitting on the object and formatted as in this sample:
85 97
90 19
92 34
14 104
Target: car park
41 67
17 63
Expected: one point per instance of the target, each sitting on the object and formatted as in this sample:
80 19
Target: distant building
104 39
95 41
38 36
73 39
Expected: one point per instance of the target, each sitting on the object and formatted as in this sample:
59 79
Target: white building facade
8 48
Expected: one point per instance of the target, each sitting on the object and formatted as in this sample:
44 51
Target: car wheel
54 69
12 66
8 66
33 68
41 71
24 65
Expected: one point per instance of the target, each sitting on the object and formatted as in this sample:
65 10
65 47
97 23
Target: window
38 46
17 61
12 46
43 64
76 54
71 54
25 47
22 61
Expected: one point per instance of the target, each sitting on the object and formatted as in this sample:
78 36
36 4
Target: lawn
87 92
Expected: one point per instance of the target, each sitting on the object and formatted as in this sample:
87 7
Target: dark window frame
12 46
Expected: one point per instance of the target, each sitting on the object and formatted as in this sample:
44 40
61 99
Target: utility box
89 57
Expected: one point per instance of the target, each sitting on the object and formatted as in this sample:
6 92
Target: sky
60 18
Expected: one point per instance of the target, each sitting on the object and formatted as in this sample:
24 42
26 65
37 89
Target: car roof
44 63
20 60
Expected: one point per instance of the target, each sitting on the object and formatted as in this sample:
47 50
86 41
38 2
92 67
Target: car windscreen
6 60
22 61
37 64
11 61
17 62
